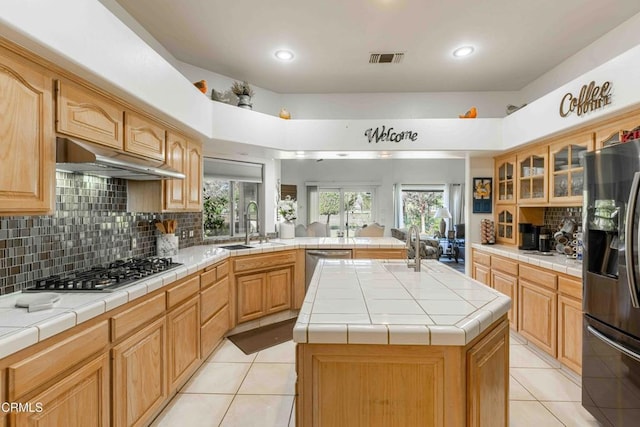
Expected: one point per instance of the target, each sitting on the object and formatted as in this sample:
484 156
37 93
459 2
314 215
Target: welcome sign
376 135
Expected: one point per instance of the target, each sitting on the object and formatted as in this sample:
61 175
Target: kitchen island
382 345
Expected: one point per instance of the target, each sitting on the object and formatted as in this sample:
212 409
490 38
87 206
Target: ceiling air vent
386 58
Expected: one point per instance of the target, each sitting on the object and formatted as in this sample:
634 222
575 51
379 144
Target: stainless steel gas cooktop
105 278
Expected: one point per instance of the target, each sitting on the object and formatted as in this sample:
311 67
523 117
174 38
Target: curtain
456 204
398 218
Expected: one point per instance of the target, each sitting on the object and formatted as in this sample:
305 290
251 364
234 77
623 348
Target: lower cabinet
183 338
537 315
507 285
139 380
260 294
78 400
570 332
212 331
481 273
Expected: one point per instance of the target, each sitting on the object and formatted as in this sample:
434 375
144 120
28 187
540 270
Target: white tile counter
20 329
385 302
556 262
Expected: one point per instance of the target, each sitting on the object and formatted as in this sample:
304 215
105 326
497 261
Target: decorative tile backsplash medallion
90 226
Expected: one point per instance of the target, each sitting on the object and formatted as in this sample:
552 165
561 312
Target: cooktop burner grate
105 278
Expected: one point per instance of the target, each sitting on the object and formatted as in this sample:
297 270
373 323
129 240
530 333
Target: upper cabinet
613 128
505 179
567 168
89 116
27 150
143 136
532 176
185 156
194 176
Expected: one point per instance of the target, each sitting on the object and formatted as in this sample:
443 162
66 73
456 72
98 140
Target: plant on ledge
243 88
287 209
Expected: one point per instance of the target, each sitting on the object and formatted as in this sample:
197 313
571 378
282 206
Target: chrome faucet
247 221
416 258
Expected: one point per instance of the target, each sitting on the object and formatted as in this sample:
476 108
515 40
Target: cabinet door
537 315
80 399
570 332
87 115
213 330
27 148
566 171
250 296
488 379
508 285
139 381
506 224
612 129
505 180
194 178
143 136
482 273
532 175
175 189
183 337
278 290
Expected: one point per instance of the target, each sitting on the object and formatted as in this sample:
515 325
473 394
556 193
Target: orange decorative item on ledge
284 114
471 114
201 85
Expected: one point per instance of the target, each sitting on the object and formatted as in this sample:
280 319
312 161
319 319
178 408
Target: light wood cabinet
532 176
212 331
143 136
566 169
481 273
77 400
185 156
488 379
508 285
537 315
27 151
139 375
183 342
505 180
506 231
570 323
89 116
261 294
612 129
278 290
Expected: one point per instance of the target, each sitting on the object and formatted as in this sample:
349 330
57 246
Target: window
341 208
228 187
419 206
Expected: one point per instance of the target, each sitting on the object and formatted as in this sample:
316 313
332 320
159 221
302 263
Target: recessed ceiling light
463 51
284 55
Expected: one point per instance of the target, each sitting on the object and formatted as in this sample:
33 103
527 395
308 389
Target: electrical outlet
184 234
134 243
190 233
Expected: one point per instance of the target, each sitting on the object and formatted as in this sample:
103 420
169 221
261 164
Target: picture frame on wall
482 195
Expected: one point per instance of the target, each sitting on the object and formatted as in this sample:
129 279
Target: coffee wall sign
590 98
376 135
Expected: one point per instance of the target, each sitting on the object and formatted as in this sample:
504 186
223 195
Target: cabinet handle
602 337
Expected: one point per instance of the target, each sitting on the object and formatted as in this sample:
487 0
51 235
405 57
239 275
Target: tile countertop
555 262
20 329
385 302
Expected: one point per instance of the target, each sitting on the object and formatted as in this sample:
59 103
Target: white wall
476 167
385 172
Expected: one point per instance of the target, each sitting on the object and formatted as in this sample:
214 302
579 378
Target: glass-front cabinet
566 169
506 224
532 176
505 180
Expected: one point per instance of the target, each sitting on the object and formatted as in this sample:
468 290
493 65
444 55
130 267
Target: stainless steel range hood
73 155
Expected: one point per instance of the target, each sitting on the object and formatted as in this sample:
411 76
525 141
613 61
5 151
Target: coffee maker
529 236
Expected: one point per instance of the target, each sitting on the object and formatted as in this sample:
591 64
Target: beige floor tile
228 352
521 357
572 414
281 353
258 411
517 392
270 378
531 414
190 410
547 384
217 377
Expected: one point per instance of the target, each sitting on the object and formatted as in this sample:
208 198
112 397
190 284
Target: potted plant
287 210
244 92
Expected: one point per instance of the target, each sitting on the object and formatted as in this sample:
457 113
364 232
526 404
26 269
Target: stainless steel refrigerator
611 326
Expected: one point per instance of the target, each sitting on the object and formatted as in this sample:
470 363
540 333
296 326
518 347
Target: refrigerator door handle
602 337
628 238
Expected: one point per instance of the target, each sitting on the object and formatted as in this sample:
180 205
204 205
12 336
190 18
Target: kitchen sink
236 247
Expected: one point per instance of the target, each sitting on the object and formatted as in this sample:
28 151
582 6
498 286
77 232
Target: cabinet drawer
481 258
504 264
36 370
538 276
127 321
571 287
222 270
264 261
213 299
181 292
212 331
208 278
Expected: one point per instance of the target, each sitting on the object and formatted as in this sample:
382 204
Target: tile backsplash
90 226
553 217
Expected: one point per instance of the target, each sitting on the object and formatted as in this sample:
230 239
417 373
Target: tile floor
235 390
